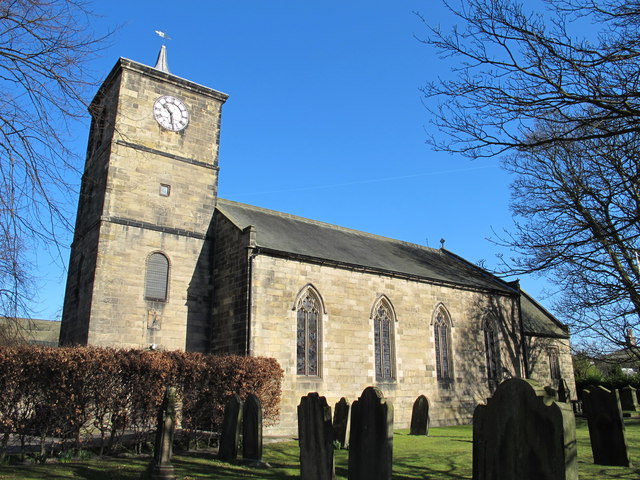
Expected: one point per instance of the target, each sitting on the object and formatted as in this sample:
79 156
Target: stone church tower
139 272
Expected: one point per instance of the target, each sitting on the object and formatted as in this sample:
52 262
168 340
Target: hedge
74 393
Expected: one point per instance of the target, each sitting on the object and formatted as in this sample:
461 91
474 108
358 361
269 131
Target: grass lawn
444 455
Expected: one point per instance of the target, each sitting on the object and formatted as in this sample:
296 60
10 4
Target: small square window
165 190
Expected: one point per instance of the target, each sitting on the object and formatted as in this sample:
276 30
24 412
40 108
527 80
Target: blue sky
324 119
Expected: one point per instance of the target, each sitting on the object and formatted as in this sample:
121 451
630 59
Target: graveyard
445 454
524 431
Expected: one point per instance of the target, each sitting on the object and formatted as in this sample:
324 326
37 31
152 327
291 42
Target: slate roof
537 321
302 237
299 236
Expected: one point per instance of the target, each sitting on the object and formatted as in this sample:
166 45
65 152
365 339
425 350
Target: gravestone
564 394
230 435
420 417
522 433
371 443
628 398
606 427
160 467
341 422
252 429
315 437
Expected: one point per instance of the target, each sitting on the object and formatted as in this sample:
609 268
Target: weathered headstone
522 433
628 398
606 427
420 416
160 467
252 429
564 394
315 436
230 435
341 422
371 444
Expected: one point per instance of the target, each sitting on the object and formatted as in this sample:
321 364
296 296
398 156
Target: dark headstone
252 429
230 435
522 433
371 444
420 416
341 422
628 398
564 394
315 436
160 467
606 428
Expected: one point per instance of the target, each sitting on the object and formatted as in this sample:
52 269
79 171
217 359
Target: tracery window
554 364
384 342
157 278
442 339
492 349
308 334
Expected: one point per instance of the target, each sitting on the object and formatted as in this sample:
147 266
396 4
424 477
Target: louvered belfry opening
157 277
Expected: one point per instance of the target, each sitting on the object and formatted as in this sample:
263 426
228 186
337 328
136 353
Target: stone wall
229 319
347 362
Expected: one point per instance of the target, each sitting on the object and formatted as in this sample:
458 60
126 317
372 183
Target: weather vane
163 35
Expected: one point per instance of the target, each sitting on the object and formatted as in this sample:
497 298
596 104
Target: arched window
492 349
309 314
383 319
442 340
157 278
554 364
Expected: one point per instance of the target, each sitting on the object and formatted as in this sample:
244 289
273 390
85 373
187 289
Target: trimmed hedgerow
67 393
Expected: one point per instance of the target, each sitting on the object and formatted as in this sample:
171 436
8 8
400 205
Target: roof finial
442 243
161 62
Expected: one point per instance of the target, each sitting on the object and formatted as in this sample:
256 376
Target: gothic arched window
442 340
157 278
384 342
554 364
308 313
492 349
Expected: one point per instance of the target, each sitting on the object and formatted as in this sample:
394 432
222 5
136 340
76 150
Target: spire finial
161 62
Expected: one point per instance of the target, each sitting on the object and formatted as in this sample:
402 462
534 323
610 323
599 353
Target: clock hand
170 117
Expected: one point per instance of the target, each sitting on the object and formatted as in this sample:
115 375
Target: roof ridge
324 224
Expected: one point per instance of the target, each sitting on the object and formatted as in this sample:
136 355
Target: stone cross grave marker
522 433
230 435
160 467
371 443
420 417
628 399
315 437
252 429
606 427
341 422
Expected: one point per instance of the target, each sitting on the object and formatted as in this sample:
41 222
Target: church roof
537 321
297 236
318 241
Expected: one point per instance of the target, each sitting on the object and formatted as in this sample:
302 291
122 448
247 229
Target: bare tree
578 209
44 49
566 112
514 67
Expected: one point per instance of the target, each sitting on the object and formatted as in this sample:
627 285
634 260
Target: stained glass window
383 339
492 350
442 338
308 337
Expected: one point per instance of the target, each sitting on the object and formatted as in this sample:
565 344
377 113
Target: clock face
171 113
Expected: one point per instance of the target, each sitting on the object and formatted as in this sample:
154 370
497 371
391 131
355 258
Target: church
159 261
